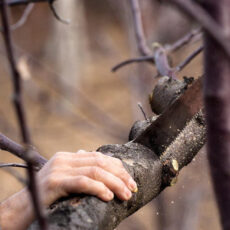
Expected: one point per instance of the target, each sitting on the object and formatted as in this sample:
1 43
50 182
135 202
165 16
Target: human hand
84 172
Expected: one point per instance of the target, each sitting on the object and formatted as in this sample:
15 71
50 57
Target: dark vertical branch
208 23
19 109
138 27
17 97
217 101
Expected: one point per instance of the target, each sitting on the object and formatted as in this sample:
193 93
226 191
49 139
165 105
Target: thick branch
144 166
169 124
151 172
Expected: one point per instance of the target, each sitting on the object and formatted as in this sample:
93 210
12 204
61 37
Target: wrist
17 211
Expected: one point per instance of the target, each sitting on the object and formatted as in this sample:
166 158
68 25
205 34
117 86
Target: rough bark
148 171
152 173
169 124
146 168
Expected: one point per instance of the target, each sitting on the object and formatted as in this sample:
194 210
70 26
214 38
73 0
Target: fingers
110 164
89 172
83 184
112 182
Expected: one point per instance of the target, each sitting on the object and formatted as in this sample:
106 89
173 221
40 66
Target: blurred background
73 100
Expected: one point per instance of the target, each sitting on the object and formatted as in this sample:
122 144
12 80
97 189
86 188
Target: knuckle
57 160
53 181
102 188
96 172
82 182
118 162
100 161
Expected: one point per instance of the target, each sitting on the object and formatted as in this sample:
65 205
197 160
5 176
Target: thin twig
19 109
189 58
53 10
23 2
160 59
24 17
17 97
138 27
167 49
142 110
184 40
208 23
9 145
133 60
17 165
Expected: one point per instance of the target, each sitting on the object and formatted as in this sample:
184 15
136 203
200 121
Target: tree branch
152 172
189 58
24 17
17 165
208 23
160 57
19 151
138 27
192 35
53 10
133 60
23 2
19 109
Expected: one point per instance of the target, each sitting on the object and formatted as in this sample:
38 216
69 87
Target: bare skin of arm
65 173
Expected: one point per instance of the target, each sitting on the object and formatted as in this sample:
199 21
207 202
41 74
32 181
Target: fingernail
128 194
109 195
132 185
135 190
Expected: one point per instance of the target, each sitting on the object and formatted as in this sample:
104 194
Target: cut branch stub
169 124
170 172
166 92
147 170
90 213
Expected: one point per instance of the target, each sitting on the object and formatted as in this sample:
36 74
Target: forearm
16 213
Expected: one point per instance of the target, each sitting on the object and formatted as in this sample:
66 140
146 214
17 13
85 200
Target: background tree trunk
217 102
